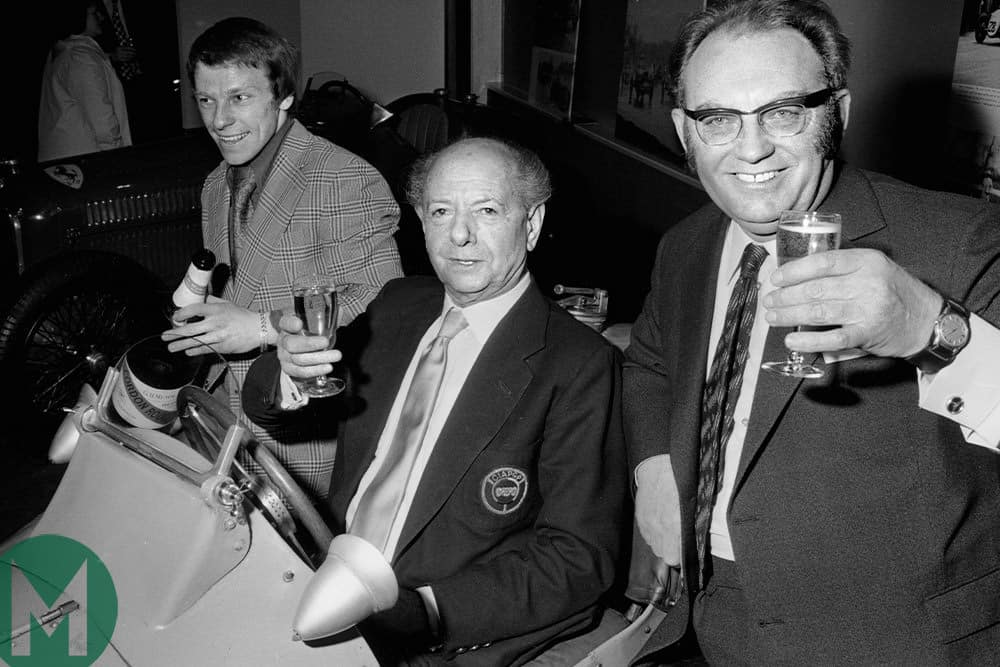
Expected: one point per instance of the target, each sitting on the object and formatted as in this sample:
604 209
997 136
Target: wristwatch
951 334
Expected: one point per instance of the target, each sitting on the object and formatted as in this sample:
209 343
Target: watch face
954 330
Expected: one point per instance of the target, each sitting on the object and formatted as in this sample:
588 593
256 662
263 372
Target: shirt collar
732 253
260 166
484 316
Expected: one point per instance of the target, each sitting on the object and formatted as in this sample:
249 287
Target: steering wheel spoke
279 496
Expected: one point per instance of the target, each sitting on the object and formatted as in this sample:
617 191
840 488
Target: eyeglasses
781 118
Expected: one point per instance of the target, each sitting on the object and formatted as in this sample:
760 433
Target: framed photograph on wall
551 85
539 53
974 115
644 104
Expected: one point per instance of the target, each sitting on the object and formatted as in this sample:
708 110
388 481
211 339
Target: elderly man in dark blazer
508 531
850 519
312 208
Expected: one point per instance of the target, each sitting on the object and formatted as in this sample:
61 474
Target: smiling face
238 108
477 231
756 176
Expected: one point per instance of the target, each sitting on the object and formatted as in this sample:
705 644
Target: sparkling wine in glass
802 233
315 299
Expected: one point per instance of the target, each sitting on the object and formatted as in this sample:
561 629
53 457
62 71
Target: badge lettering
504 489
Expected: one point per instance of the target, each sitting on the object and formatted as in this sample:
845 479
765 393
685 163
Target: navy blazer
541 407
864 528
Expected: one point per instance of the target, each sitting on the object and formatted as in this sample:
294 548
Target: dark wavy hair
244 41
532 183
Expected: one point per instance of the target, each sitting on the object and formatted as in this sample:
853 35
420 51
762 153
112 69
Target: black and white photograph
505 333
974 118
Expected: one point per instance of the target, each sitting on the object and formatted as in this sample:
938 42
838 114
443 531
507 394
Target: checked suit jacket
865 529
322 210
541 407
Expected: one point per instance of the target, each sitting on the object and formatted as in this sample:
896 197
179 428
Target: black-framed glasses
781 118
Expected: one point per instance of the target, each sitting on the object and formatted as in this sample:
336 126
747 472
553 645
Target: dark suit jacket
323 210
542 400
864 528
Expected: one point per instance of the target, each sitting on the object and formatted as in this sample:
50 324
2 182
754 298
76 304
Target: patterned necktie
379 507
126 70
240 211
722 389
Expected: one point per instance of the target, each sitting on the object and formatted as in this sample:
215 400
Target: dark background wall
904 55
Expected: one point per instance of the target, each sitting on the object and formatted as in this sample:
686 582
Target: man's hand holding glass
303 357
873 303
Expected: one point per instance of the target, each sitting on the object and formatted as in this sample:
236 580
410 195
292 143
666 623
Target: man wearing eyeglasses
850 519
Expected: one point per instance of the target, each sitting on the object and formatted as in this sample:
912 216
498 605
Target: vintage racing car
159 548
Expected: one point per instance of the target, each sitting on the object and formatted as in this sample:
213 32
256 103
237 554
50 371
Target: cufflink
291 397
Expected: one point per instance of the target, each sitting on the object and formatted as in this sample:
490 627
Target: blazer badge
504 489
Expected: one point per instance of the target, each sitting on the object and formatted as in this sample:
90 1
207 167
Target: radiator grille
159 229
164 248
164 204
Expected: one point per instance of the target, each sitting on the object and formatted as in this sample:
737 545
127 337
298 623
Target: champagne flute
802 233
315 299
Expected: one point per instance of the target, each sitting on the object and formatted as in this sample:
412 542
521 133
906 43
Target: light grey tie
379 507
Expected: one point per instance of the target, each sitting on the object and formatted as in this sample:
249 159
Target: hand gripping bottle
194 287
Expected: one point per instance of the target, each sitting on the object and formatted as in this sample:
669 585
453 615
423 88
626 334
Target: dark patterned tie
722 389
240 211
379 506
126 70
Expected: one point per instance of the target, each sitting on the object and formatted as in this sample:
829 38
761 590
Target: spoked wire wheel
71 321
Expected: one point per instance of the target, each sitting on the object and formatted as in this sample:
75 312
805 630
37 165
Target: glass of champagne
315 299
802 233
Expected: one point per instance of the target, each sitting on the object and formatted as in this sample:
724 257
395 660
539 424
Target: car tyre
73 317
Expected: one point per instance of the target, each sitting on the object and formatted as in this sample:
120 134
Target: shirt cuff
430 603
654 465
967 391
291 398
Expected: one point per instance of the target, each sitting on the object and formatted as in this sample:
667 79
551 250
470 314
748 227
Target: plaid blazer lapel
275 209
215 208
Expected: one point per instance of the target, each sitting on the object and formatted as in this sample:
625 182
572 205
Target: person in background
82 107
283 203
122 49
506 533
850 519
142 45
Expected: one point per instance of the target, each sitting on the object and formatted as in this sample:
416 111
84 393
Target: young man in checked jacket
313 208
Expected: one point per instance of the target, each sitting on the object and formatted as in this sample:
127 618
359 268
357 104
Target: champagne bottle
194 286
151 377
